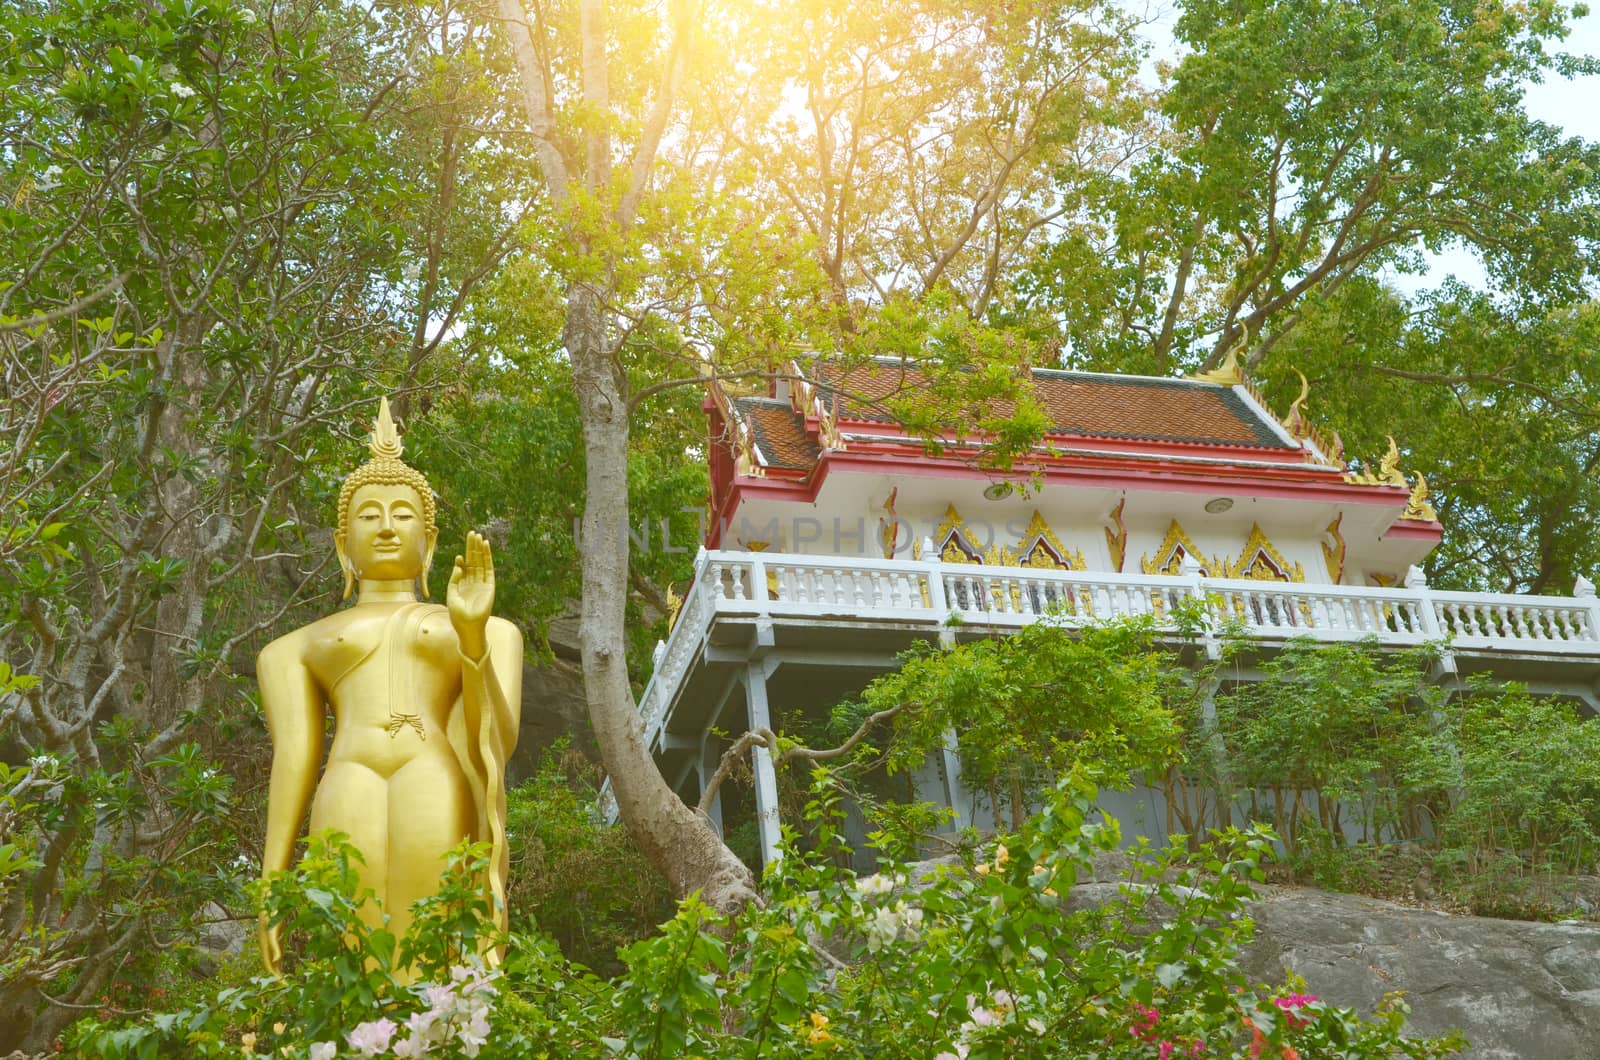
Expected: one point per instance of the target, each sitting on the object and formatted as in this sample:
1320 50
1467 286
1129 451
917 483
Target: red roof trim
1283 483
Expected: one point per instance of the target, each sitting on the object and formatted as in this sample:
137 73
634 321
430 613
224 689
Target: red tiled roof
779 433
1081 404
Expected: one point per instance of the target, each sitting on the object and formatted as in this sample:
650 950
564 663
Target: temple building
837 541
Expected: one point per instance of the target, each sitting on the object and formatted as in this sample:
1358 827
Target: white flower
323 1051
882 929
168 71
370 1039
875 884
413 1047
442 999
247 16
49 178
181 90
910 919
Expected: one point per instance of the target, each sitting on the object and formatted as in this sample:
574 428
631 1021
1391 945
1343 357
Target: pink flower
1144 1024
1289 1002
1165 1051
372 1039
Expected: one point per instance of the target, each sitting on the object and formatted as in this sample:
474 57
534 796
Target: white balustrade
928 591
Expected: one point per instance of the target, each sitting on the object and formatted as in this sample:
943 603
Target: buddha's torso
391 672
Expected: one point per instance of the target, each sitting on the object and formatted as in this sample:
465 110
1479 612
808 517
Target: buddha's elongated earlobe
344 566
427 559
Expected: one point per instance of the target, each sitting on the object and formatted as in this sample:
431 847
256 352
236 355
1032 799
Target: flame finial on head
384 441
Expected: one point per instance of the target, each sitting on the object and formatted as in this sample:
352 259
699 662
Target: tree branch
733 756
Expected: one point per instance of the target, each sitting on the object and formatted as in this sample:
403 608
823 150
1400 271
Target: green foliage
1469 385
586 886
1522 776
1347 748
1306 144
983 960
1032 704
1329 730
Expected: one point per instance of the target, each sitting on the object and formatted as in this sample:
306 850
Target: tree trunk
676 839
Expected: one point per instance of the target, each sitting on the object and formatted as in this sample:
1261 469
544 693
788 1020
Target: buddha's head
386 515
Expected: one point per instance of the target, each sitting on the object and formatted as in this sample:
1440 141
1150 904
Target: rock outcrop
1514 988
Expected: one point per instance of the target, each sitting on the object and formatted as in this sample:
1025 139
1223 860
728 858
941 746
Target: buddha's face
387 539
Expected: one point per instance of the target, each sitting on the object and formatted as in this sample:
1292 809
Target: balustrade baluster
716 580
738 581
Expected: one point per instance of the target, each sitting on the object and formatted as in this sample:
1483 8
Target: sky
1574 105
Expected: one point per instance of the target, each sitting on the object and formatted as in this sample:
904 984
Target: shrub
586 886
975 960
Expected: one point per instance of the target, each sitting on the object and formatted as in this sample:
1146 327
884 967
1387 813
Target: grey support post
766 777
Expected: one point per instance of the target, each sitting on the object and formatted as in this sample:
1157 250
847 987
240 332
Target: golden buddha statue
425 702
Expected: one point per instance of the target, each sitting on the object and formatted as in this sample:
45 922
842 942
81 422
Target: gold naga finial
1417 505
1230 372
1295 421
384 441
1389 472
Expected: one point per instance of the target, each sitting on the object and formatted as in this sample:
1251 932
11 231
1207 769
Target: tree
1305 144
925 147
598 215
207 231
667 250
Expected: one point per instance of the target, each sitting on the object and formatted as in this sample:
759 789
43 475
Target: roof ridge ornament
1417 505
1230 372
1388 473
1295 422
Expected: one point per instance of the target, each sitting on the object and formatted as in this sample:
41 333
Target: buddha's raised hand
470 596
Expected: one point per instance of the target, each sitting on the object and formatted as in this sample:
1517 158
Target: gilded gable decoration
1170 554
1117 541
1334 553
1040 548
996 556
889 528
1261 561
954 541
